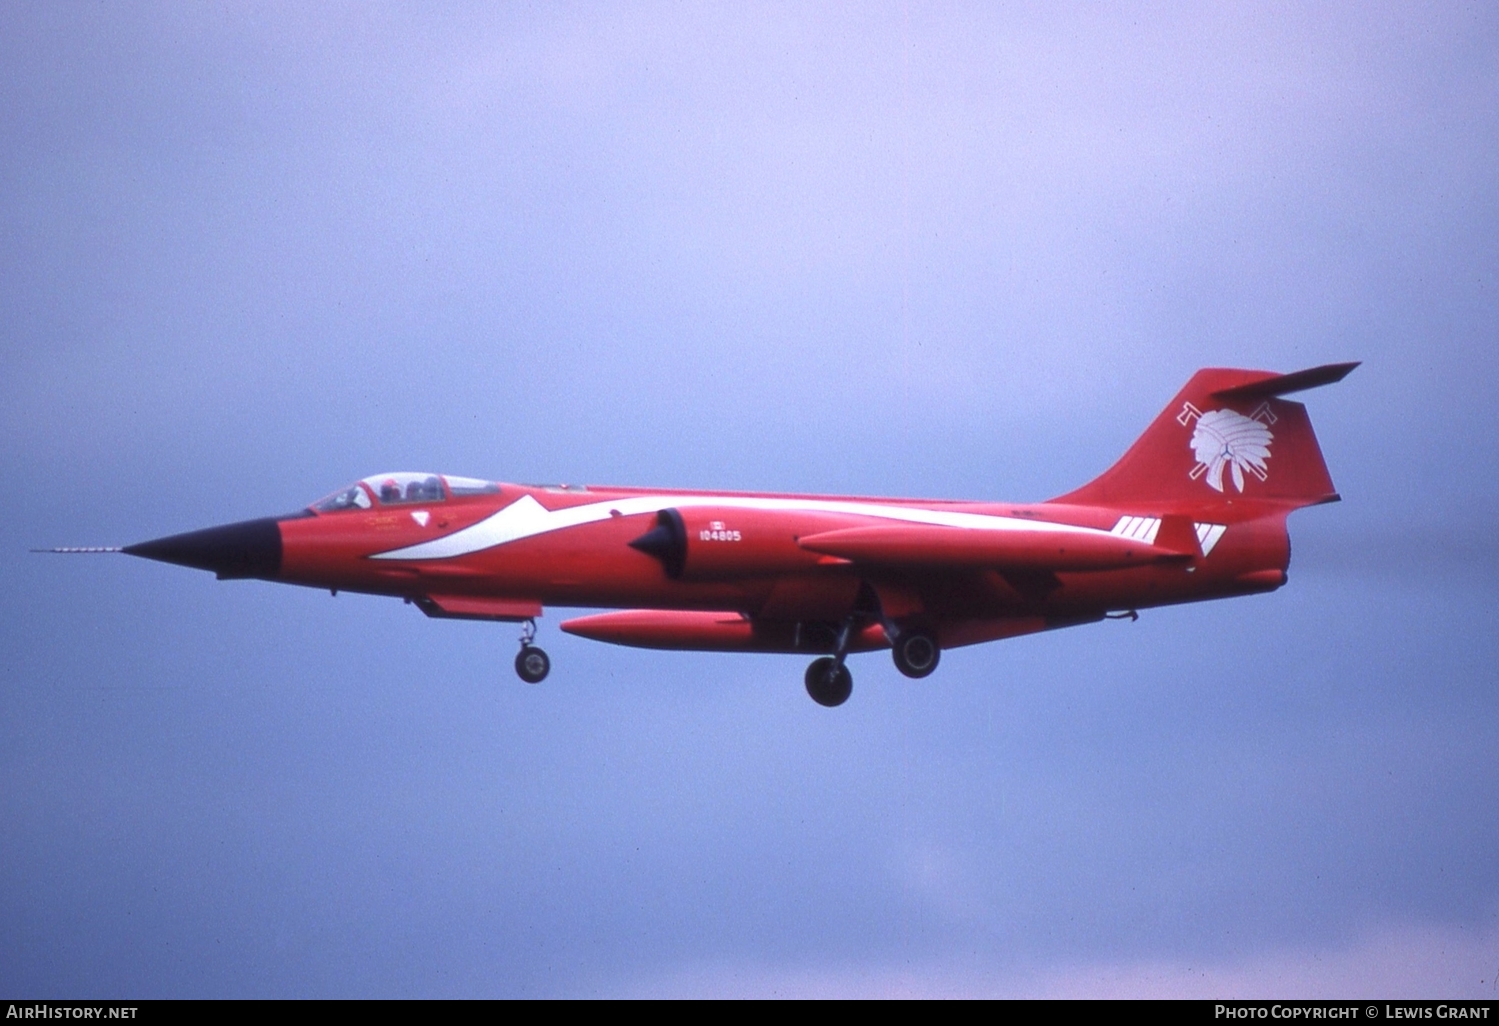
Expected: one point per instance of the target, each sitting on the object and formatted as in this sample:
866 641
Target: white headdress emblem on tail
1224 438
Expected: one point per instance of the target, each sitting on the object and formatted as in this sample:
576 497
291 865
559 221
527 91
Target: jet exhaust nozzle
248 549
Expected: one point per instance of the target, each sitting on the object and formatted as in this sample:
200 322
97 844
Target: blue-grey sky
251 253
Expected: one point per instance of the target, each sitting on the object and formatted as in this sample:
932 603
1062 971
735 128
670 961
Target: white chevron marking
1208 535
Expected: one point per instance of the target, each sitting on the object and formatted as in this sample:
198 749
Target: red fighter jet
1196 509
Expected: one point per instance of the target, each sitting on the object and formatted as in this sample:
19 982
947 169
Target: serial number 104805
717 532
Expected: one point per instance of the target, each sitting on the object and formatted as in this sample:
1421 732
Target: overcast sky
252 253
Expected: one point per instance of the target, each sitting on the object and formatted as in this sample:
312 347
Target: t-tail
1228 435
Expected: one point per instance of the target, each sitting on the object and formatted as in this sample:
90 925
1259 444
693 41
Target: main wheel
532 664
915 653
828 683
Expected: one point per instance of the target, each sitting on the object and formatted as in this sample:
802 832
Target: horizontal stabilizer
929 546
1283 384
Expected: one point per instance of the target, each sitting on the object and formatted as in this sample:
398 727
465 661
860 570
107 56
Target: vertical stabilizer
1227 434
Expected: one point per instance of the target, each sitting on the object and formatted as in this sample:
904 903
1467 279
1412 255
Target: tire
828 683
532 665
915 653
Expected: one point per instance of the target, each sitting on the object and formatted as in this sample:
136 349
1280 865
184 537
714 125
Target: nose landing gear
531 664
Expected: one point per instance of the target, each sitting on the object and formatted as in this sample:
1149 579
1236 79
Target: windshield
352 497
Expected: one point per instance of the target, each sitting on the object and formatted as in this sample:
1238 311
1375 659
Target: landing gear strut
532 664
828 680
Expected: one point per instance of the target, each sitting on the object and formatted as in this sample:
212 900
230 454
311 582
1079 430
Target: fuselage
572 546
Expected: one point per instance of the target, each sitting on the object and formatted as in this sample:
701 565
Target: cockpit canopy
401 488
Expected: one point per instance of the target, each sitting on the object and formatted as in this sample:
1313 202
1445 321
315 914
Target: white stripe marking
1138 528
526 518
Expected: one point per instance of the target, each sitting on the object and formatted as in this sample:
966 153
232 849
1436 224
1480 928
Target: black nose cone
251 548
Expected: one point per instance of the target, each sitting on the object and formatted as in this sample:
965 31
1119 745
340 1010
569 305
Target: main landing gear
828 680
531 664
915 653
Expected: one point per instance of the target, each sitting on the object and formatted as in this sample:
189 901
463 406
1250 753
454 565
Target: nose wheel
531 663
